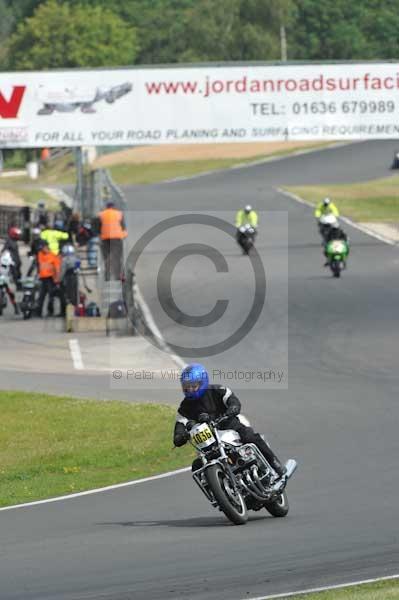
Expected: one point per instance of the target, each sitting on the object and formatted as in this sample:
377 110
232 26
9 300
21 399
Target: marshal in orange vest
112 224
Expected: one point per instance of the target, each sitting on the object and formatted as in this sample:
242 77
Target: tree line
42 34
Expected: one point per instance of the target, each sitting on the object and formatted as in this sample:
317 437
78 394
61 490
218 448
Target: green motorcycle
337 253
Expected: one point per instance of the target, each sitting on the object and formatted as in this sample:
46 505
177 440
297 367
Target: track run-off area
335 409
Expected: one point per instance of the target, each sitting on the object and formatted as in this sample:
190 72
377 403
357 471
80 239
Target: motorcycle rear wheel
230 502
278 507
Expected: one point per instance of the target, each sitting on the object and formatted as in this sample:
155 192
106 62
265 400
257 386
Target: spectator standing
58 289
53 236
68 275
112 233
48 266
40 215
35 245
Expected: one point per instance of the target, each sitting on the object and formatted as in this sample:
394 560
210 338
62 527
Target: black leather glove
181 439
204 418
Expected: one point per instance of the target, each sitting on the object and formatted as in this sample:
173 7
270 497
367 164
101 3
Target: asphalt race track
336 412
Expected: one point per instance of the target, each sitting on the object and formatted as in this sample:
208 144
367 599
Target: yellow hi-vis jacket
53 238
330 209
242 218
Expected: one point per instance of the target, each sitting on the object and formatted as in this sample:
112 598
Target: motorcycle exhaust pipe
254 489
257 481
244 485
291 466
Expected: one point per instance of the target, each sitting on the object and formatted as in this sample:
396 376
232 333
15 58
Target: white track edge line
97 490
76 354
353 224
325 588
154 328
260 161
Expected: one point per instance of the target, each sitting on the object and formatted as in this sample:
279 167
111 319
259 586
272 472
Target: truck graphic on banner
69 99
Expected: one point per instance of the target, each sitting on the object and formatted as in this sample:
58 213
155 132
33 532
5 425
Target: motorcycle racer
326 207
247 216
203 402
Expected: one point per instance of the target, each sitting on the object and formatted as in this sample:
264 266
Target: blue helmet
194 381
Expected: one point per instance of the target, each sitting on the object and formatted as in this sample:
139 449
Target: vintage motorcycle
236 477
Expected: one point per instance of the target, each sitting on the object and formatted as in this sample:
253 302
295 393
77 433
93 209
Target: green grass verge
382 590
60 171
376 200
51 446
142 173
31 196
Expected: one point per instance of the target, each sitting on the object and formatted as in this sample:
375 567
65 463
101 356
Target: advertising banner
199 104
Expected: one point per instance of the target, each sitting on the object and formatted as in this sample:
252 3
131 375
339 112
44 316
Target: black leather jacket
217 401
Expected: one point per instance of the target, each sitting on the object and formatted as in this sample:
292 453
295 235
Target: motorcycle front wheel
336 268
230 502
278 507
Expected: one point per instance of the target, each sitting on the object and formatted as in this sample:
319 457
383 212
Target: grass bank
382 590
51 446
21 196
375 200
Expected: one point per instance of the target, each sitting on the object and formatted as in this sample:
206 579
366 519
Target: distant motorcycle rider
204 401
247 216
335 233
326 207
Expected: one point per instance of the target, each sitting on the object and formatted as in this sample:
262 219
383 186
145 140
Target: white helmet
6 259
248 208
326 201
68 250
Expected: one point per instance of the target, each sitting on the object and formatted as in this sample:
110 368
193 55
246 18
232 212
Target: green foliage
60 35
80 33
324 30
